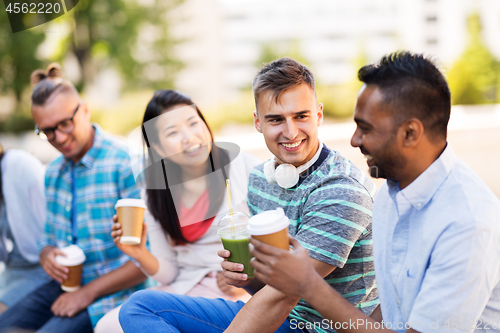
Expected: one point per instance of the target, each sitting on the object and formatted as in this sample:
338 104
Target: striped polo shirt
330 212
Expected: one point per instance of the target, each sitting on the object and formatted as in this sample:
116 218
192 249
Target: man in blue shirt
436 225
82 187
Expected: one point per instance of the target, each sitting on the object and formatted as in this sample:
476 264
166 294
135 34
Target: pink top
189 218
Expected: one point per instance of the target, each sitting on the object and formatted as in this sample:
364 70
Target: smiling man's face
376 135
57 108
290 127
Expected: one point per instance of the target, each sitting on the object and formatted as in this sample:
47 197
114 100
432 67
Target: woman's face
183 136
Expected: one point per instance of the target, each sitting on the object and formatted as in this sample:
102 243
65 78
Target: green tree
17 57
17 61
273 51
131 36
474 76
339 101
498 87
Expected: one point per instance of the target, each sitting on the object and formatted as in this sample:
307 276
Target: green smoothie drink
232 229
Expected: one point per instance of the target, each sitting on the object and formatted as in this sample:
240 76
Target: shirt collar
324 151
422 189
90 156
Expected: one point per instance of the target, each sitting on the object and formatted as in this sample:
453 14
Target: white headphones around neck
287 175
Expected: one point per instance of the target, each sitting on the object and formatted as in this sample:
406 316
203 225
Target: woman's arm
139 252
160 264
167 269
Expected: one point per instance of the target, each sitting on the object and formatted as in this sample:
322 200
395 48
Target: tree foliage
474 77
498 87
17 57
129 35
273 51
340 100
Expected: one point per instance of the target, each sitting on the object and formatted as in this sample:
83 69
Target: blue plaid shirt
103 176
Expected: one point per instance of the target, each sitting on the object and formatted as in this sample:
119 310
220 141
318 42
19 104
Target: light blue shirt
437 251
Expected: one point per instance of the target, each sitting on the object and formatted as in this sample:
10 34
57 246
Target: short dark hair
414 87
281 75
48 82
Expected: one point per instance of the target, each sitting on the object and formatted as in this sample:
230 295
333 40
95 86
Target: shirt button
419 205
68 208
70 238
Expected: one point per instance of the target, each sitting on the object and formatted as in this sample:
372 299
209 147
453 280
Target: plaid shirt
103 176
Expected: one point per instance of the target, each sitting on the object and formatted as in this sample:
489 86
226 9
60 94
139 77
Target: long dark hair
161 201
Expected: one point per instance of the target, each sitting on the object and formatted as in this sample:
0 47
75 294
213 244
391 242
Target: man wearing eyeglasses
65 128
82 187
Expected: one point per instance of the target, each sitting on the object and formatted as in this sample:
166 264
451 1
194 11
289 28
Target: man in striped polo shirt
330 208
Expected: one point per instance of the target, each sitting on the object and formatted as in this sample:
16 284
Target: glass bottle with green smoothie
232 229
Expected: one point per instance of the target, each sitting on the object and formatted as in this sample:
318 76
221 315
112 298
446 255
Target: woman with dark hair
185 181
22 218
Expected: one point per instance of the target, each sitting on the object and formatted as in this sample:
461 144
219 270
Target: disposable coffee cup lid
130 203
268 222
74 256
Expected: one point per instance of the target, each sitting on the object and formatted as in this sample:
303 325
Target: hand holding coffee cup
73 260
50 265
130 214
133 251
270 227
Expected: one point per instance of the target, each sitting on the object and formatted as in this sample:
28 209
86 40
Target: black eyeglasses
66 126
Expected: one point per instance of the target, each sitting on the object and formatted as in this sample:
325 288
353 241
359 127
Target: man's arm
377 314
121 278
69 304
336 308
272 266
269 308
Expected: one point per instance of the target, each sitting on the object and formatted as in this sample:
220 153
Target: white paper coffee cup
75 257
131 217
270 227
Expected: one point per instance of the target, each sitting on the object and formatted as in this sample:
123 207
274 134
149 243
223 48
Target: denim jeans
156 311
33 313
17 282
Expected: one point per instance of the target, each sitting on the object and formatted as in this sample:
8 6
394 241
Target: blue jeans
33 313
157 311
17 282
